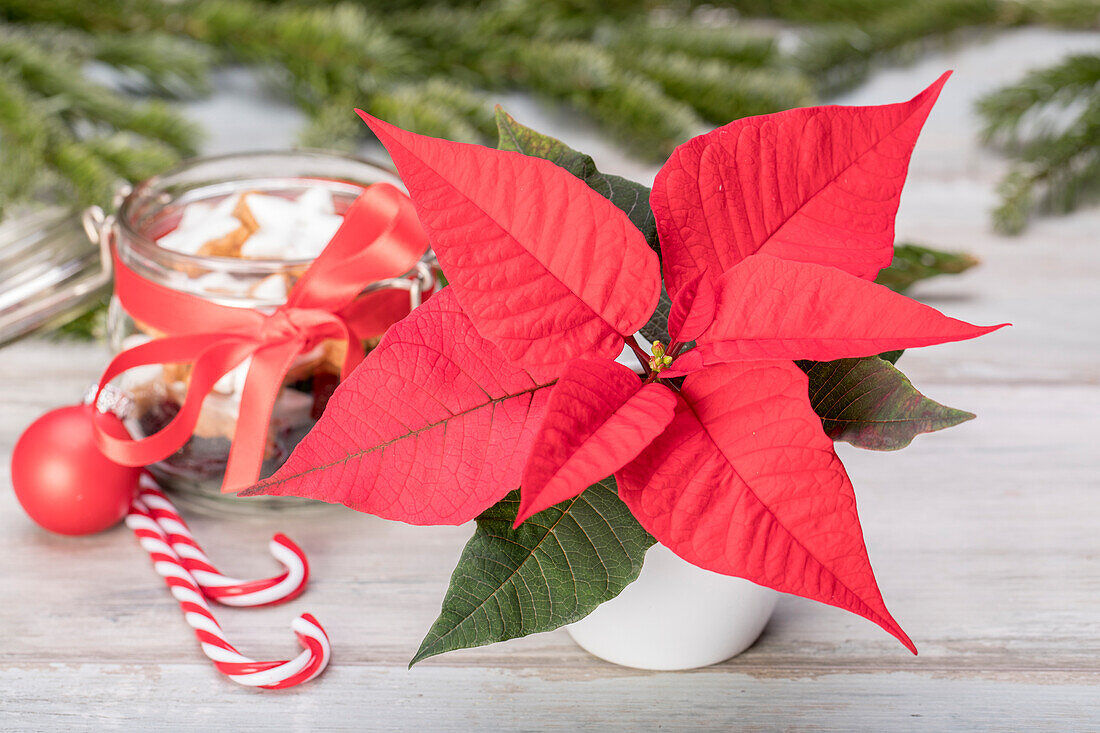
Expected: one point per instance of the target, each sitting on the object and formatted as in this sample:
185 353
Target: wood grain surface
985 538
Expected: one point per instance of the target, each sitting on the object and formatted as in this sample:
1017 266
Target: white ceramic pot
676 616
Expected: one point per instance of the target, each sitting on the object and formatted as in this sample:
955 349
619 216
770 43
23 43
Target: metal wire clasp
422 281
98 226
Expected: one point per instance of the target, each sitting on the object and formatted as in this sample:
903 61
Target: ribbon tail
213 361
261 389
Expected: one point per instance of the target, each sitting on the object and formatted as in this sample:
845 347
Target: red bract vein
820 184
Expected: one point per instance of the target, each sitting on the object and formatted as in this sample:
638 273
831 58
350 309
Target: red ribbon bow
380 238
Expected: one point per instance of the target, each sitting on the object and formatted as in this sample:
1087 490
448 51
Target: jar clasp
97 225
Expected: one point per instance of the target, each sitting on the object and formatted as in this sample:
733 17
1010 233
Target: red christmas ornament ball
62 479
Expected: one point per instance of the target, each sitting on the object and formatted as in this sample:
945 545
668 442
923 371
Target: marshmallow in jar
238 231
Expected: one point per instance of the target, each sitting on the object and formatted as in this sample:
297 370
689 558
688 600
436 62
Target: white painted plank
983 538
373 698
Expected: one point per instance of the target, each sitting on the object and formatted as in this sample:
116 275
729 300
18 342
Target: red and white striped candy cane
239 668
216 586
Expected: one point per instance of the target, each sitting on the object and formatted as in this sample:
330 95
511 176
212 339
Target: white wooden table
985 538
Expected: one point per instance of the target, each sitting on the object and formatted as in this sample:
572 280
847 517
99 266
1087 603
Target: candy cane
239 668
216 586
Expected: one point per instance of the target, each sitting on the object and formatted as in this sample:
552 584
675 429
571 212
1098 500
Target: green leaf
913 262
632 198
869 403
551 571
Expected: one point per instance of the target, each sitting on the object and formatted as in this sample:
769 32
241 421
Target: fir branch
718 91
842 56
818 11
437 107
1058 160
1003 111
635 108
21 122
1061 13
1065 163
80 100
23 142
130 157
99 16
914 262
92 178
1016 191
334 126
320 52
1057 13
47 146
158 62
456 40
723 43
150 63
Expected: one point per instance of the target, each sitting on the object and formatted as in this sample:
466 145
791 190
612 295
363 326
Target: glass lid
51 269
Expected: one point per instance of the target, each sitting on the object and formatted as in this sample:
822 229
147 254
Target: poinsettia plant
749 272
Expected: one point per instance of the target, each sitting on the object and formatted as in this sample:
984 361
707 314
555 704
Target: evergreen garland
57 130
651 73
427 65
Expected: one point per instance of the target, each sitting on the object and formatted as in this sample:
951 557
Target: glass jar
154 208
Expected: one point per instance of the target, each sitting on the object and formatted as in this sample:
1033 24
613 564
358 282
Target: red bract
820 185
769 227
745 482
600 417
692 311
768 308
545 269
436 428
